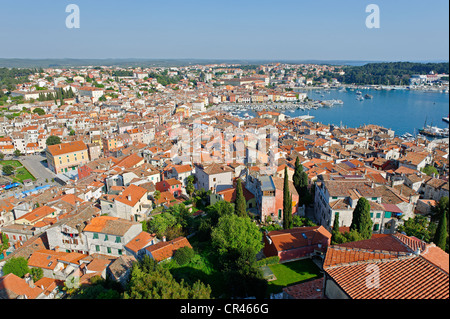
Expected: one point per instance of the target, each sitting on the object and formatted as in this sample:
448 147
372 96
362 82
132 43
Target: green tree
5 242
440 237
150 280
218 210
335 231
190 185
287 202
297 175
2 156
240 203
442 207
98 288
17 153
298 221
37 273
8 169
430 170
234 232
53 140
417 227
17 266
160 223
304 193
241 275
156 195
361 221
183 255
300 180
39 111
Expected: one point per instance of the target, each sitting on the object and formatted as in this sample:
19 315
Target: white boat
445 119
434 131
407 136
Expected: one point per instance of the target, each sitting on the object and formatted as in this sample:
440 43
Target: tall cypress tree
240 207
300 180
304 184
335 230
287 202
361 221
440 237
297 175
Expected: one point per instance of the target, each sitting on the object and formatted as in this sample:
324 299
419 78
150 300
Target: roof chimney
129 197
164 238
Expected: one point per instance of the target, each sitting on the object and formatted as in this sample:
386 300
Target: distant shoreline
129 62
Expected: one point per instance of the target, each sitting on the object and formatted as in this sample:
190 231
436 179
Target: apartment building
109 235
341 195
66 156
91 92
214 177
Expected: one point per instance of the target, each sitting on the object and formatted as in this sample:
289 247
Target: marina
397 108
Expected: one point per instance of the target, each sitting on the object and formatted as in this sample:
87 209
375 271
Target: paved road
35 165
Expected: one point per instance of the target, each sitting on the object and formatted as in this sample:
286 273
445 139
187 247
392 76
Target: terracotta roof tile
164 250
142 240
12 287
402 274
65 148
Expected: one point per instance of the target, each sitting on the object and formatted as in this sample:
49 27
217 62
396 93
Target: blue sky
211 29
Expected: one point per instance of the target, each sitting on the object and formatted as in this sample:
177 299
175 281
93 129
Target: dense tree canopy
234 232
18 266
53 140
391 73
419 227
150 280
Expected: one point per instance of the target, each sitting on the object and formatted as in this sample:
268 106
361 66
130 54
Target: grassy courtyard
203 266
20 172
292 273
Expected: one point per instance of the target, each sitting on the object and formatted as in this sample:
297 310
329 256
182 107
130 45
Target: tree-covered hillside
392 73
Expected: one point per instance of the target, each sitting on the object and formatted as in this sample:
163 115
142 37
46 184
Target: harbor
244 110
401 110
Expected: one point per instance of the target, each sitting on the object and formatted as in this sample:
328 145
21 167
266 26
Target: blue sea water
400 110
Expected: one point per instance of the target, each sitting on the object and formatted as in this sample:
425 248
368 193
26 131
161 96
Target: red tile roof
12 287
407 278
294 238
164 250
66 148
312 289
142 240
402 273
131 195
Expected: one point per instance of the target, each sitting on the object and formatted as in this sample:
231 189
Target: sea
404 111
